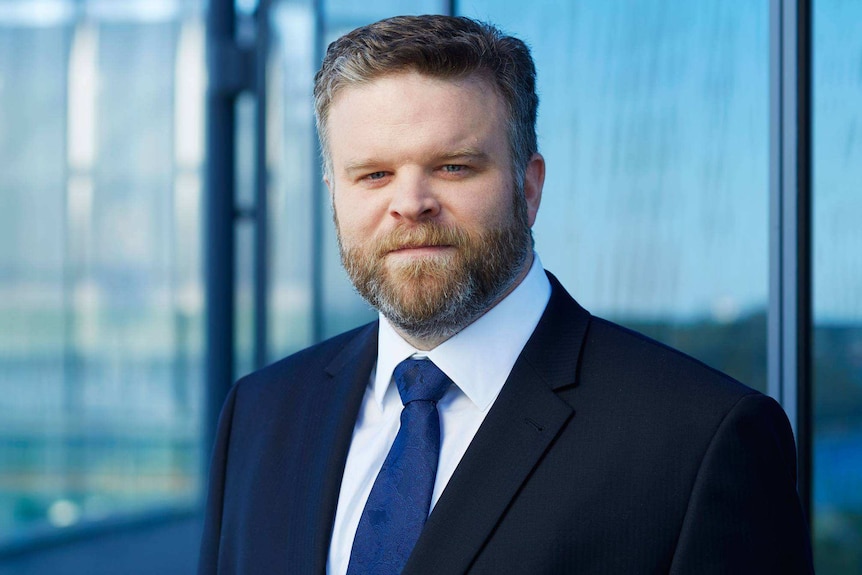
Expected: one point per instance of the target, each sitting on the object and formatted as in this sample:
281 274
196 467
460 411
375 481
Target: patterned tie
400 498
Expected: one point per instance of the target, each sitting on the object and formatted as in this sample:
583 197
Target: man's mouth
419 249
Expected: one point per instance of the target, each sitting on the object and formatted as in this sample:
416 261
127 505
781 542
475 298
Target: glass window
837 264
101 128
293 176
654 123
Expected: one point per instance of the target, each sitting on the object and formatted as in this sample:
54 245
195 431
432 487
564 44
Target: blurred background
164 229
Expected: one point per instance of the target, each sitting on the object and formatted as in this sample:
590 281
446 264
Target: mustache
426 234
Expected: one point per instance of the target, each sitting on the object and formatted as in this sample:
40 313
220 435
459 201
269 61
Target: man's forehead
408 116
479 78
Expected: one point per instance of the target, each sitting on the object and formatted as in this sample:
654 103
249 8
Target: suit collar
349 371
555 346
362 348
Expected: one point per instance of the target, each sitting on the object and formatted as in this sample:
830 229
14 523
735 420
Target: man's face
431 229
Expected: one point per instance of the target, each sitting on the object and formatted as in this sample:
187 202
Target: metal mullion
803 277
789 339
219 232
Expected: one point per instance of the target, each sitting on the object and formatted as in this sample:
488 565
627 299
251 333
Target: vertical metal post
789 345
219 244
804 276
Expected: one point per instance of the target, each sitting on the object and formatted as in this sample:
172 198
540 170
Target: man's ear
534 180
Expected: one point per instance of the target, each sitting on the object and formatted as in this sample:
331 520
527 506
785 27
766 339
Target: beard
437 296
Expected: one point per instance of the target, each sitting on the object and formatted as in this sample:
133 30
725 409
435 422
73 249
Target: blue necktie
400 498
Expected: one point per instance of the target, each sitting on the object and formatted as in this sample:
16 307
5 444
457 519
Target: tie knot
420 380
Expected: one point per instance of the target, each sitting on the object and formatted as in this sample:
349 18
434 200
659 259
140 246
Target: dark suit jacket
605 452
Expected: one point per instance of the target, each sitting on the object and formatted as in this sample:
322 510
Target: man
486 423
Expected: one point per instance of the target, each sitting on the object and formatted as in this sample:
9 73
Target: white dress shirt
478 360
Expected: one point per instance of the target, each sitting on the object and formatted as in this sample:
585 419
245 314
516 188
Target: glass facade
293 175
837 286
101 139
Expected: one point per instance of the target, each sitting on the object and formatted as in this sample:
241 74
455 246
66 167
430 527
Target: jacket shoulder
645 369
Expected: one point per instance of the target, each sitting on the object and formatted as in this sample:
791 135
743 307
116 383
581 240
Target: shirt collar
477 359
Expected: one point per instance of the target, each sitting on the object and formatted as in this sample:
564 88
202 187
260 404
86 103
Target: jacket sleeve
744 515
208 563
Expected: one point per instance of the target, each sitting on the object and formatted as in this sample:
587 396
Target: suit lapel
523 422
349 372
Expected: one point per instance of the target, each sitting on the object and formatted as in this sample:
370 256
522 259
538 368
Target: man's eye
452 168
375 176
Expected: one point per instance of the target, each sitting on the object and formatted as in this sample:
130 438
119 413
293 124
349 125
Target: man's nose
413 199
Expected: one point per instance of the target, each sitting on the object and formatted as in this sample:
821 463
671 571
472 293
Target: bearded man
486 423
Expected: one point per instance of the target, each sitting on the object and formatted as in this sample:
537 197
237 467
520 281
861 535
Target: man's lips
419 249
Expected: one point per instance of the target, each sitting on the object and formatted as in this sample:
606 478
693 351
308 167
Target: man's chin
419 295
415 291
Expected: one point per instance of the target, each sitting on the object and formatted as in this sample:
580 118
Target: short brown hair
438 46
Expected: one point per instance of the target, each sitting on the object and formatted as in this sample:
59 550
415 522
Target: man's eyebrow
360 166
472 154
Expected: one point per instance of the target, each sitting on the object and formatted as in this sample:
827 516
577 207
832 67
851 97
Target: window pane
101 126
244 226
654 124
293 177
837 286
